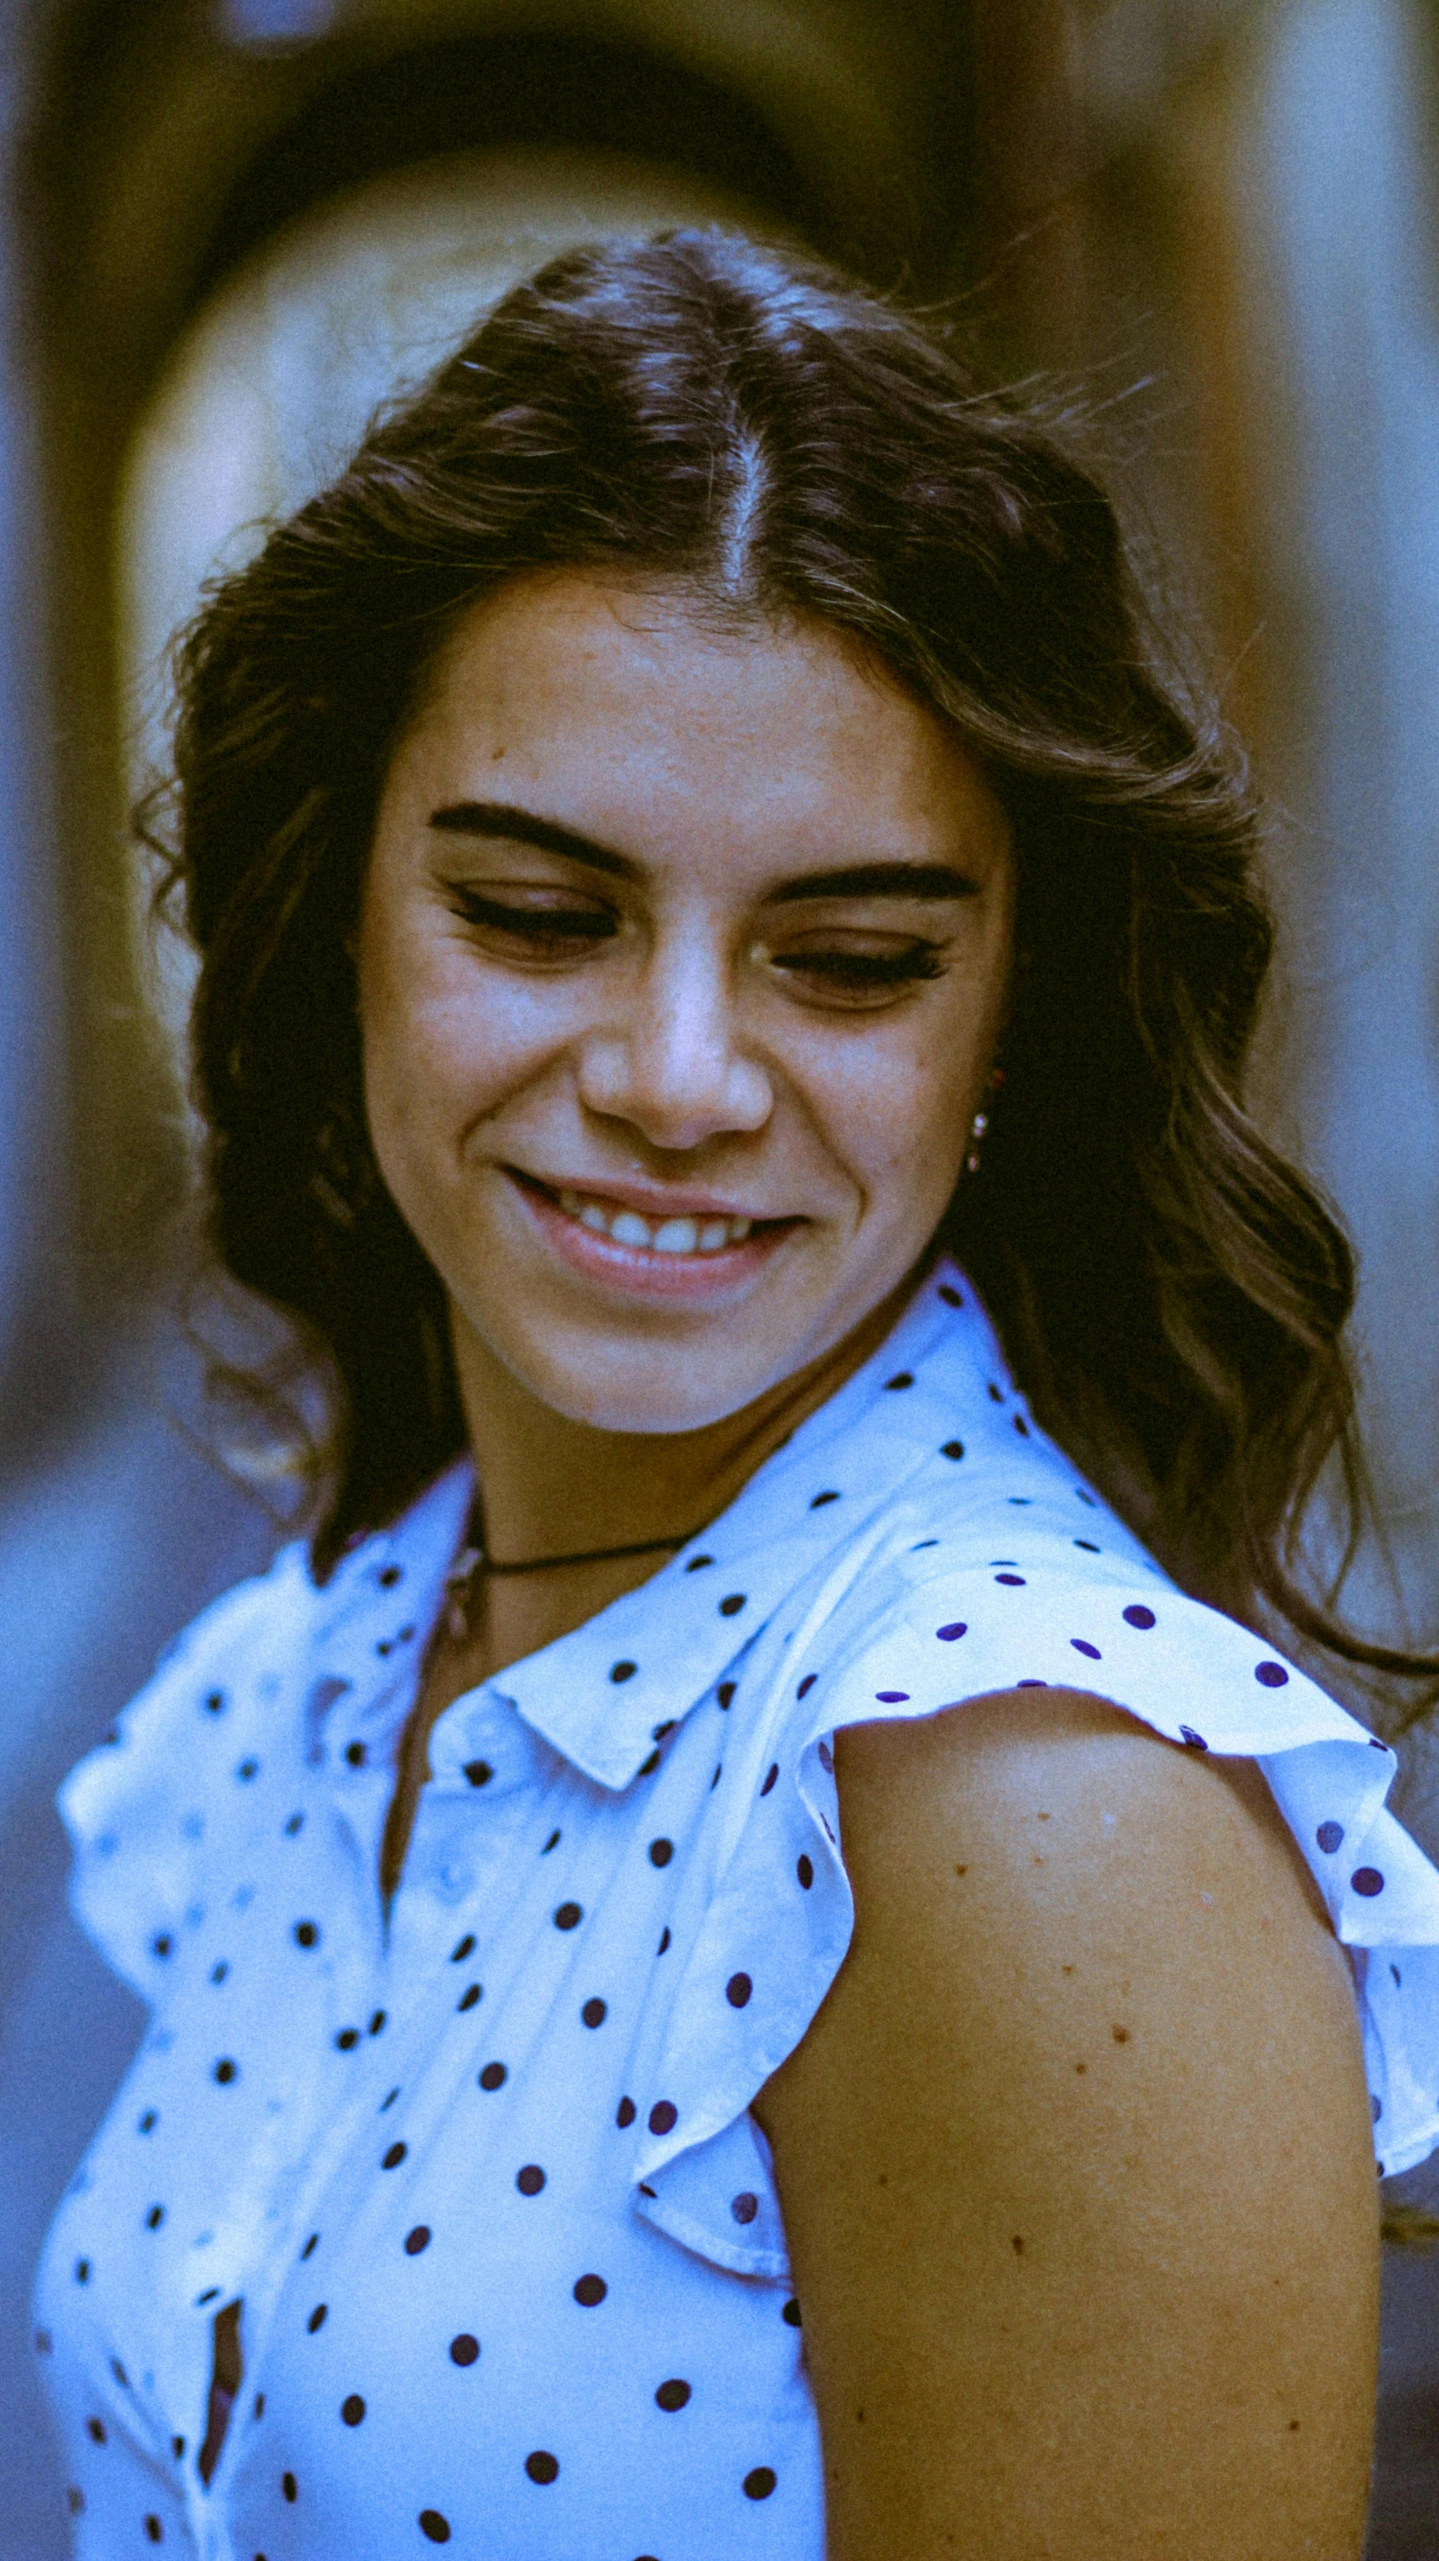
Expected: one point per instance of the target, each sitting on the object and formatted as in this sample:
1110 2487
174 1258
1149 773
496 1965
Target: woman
697 878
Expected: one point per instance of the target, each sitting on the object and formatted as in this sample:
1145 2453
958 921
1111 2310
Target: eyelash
557 932
867 969
537 925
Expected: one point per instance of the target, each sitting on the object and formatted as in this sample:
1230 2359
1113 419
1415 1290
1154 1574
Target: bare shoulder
1075 2159
1126 1804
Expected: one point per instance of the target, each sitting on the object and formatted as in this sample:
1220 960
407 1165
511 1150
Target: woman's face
682 959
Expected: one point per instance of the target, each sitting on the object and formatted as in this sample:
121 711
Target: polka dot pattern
528 2271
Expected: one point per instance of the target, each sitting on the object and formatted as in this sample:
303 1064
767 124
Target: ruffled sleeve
140 1809
780 1921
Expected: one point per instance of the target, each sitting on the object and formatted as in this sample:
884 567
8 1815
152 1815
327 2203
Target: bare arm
1075 2159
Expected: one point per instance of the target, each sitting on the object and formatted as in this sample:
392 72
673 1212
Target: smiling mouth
657 1235
665 1232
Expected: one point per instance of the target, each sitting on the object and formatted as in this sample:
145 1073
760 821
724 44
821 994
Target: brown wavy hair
702 409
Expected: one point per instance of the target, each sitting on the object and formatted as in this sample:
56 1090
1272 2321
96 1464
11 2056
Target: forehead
630 710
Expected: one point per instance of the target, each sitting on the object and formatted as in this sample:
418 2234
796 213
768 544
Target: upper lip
650 1202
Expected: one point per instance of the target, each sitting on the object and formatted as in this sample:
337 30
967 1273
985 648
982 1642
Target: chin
654 1397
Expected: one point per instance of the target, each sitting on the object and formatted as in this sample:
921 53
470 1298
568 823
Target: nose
671 1063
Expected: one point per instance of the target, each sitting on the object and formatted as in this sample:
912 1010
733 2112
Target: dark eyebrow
498 819
495 818
877 880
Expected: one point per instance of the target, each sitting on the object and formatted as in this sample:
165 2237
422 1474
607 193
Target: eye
535 923
845 975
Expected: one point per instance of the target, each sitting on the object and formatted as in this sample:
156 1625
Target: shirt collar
371 1620
604 1695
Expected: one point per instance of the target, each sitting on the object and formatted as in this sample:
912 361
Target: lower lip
637 1269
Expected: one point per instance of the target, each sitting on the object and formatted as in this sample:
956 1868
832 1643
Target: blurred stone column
1343 158
37 1309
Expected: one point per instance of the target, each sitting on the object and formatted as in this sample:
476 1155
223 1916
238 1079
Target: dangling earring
980 1122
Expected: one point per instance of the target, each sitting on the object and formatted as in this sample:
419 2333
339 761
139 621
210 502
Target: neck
551 1485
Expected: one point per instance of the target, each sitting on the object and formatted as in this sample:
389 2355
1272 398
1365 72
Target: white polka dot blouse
507 2239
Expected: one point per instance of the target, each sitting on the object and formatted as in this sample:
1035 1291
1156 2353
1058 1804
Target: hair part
703 411
744 497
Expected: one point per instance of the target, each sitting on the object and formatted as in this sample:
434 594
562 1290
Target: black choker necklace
472 1565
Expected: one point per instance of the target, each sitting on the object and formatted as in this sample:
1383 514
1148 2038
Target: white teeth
659 1235
628 1228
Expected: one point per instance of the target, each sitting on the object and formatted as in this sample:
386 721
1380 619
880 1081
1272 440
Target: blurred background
227 229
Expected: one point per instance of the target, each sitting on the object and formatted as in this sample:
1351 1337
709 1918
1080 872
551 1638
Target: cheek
897 1115
440 1048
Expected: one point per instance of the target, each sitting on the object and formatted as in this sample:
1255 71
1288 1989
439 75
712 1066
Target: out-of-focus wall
36 1281
1336 152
